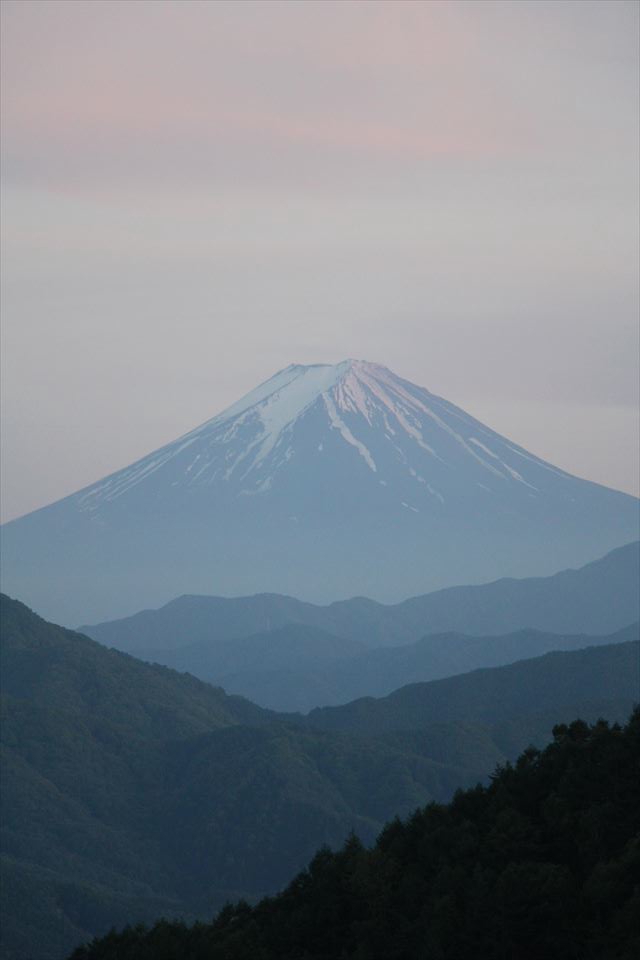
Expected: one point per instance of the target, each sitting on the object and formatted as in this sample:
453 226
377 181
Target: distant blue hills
287 655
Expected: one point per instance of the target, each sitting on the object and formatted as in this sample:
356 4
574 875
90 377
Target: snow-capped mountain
324 482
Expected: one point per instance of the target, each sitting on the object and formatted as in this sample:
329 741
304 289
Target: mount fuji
325 482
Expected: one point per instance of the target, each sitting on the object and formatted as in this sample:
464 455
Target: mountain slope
290 669
326 481
294 677
543 863
379 672
52 666
130 791
553 683
84 731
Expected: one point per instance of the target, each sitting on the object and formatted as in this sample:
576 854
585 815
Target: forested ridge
543 863
131 792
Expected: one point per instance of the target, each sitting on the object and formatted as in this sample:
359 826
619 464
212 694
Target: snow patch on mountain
343 429
390 423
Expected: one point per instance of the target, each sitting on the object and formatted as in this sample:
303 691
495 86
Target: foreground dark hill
324 482
58 668
541 865
125 784
132 792
288 655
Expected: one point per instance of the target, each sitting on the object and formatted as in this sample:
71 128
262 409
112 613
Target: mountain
132 792
543 863
293 668
379 672
289 655
297 668
599 598
324 482
573 681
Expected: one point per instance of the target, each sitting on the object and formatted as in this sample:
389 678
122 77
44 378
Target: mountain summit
390 427
324 482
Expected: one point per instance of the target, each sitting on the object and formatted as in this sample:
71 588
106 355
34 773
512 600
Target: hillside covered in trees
131 792
542 863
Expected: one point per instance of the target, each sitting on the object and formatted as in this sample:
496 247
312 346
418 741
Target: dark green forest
543 863
131 792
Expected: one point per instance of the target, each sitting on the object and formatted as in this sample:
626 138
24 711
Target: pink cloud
378 79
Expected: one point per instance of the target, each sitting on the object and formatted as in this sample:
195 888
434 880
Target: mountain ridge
325 482
472 696
294 677
131 791
600 597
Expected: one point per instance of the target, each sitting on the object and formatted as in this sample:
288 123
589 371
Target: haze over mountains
331 614
288 655
132 791
324 482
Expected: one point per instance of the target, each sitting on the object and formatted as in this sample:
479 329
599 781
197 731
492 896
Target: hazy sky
197 194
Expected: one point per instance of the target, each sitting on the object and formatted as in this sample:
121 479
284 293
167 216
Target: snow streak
399 430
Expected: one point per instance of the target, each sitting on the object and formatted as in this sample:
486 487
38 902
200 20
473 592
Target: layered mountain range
288 655
325 482
132 792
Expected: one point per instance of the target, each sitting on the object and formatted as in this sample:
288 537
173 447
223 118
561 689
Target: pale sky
197 194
